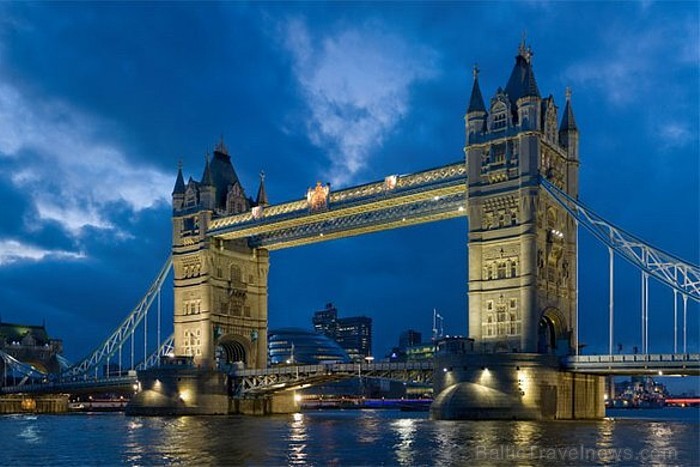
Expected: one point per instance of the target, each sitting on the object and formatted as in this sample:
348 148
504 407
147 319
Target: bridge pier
513 386
274 404
173 390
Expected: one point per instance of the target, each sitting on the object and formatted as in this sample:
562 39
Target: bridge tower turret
522 245
220 310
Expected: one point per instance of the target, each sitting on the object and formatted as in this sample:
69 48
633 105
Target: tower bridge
518 184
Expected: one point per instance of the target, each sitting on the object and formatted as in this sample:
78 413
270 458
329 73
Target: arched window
501 270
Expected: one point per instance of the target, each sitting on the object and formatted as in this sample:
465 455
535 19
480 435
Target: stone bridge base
281 403
513 386
180 391
20 403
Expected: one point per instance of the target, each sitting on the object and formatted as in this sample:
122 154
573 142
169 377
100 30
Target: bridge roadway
280 378
636 364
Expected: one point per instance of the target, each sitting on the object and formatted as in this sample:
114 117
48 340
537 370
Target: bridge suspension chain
123 332
676 273
25 370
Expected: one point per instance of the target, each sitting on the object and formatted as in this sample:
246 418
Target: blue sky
98 102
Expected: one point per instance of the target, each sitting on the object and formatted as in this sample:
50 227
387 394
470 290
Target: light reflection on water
353 437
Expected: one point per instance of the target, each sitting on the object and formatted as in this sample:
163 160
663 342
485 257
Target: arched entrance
551 328
232 350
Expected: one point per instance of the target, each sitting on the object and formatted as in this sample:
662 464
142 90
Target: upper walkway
396 201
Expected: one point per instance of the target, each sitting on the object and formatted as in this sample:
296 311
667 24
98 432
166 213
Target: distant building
297 346
354 334
409 339
31 344
326 321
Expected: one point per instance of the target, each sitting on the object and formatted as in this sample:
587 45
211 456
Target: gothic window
513 269
499 117
513 218
499 153
489 305
513 304
501 270
235 274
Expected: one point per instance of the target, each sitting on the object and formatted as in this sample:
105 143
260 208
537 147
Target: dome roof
299 346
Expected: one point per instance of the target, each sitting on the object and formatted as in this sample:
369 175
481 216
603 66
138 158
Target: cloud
72 173
12 251
640 64
676 135
356 83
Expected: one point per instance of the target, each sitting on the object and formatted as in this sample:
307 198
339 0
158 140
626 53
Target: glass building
301 347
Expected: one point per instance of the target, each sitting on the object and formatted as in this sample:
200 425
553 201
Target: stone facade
220 310
522 245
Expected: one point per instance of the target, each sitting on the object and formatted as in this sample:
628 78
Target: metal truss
289 220
166 348
16 367
126 329
261 382
636 364
678 274
365 221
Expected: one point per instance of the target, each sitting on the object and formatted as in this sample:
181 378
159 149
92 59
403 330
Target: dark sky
98 102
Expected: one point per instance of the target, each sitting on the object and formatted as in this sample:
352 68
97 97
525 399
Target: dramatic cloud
357 84
12 251
74 175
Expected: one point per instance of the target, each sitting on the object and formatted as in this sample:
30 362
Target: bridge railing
636 358
334 367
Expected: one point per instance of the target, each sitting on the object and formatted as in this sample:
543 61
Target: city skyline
96 121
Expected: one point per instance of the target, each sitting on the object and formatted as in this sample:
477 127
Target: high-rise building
326 321
354 334
409 338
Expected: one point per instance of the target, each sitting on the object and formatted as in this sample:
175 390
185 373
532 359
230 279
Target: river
666 436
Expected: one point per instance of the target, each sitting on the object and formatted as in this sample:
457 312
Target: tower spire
207 179
476 101
261 199
568 122
179 188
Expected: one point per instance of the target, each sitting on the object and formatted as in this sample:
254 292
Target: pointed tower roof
207 179
261 199
567 121
179 188
476 101
522 79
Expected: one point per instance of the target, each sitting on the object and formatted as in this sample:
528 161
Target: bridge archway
551 328
232 349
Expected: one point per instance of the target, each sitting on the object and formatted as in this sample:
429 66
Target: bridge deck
636 364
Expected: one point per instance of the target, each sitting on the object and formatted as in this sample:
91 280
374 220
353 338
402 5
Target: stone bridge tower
522 245
220 305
